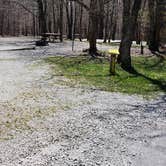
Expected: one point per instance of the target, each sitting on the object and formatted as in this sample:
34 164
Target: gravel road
46 122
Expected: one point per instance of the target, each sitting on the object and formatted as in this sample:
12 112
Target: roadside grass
150 80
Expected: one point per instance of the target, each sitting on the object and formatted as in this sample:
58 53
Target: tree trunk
129 22
152 37
93 27
42 16
69 12
162 23
2 23
54 16
106 24
61 21
80 22
101 19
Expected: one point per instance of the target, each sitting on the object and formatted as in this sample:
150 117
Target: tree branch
23 6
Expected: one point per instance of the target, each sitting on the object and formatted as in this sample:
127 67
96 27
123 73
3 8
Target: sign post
112 56
73 23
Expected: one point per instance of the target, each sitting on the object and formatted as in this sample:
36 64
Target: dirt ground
44 121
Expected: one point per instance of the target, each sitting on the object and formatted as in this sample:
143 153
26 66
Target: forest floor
44 121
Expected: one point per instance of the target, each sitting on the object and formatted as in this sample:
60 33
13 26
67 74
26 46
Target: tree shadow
158 63
160 84
158 54
161 60
156 107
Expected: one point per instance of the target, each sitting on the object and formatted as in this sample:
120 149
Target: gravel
46 122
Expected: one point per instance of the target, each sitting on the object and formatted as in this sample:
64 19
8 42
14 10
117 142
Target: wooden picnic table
51 37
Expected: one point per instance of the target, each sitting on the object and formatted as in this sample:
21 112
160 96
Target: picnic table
51 37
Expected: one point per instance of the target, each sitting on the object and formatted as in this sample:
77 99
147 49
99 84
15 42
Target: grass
151 79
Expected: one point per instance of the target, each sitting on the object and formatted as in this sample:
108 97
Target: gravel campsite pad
44 122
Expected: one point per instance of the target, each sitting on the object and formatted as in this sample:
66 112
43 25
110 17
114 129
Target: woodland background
22 17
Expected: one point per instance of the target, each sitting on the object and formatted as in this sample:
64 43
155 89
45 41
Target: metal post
73 25
112 64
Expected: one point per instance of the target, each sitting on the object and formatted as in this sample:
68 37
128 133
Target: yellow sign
115 51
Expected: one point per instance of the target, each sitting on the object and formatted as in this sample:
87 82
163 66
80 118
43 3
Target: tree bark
42 5
153 37
101 19
93 28
161 15
130 15
80 22
69 12
61 21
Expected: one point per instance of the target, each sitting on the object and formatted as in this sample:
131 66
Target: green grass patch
150 80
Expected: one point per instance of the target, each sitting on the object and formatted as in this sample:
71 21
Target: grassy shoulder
150 80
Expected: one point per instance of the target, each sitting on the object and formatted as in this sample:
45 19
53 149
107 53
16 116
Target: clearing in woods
46 121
